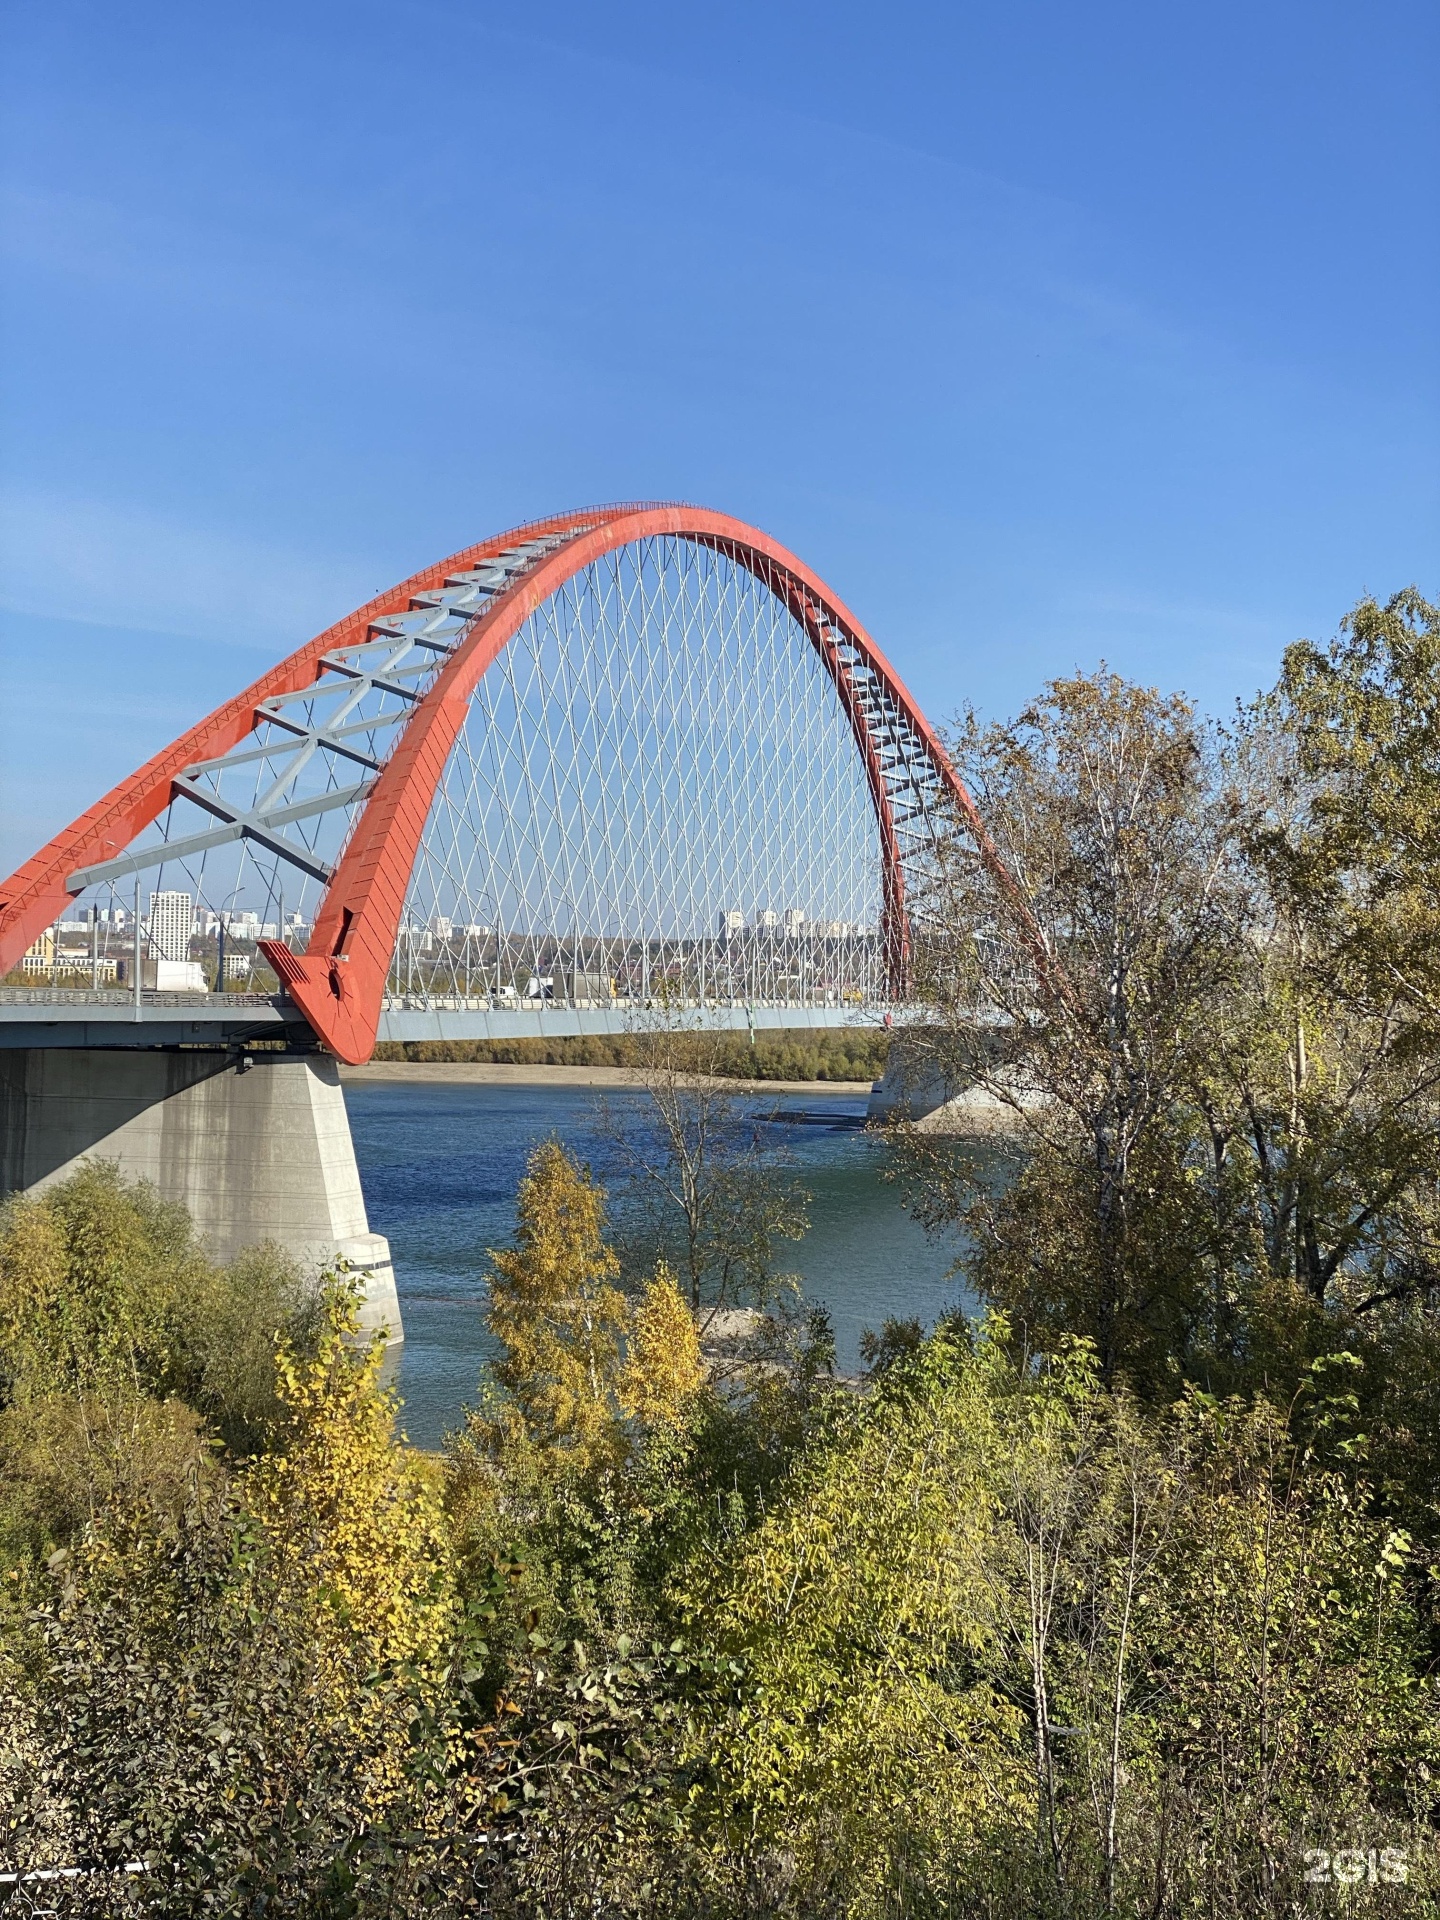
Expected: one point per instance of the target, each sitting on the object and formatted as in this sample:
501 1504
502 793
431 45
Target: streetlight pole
139 1002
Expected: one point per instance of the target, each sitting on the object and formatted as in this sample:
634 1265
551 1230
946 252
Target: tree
578 1359
663 1371
555 1309
1008 1644
1343 1104
1215 1021
1084 997
259 1696
862 1742
712 1197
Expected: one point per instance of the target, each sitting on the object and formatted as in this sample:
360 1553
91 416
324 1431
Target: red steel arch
339 983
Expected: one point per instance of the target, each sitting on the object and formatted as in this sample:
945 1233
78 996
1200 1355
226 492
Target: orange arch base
339 983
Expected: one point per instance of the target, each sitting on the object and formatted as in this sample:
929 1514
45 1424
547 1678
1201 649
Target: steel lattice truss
625 756
287 794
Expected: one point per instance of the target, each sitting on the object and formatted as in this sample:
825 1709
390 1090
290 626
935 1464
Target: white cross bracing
279 804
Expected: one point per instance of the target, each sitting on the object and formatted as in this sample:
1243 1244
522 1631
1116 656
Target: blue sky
1045 333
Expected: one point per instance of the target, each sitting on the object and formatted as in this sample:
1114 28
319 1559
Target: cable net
657 793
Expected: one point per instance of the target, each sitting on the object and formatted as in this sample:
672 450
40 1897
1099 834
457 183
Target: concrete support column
921 1087
914 1084
256 1149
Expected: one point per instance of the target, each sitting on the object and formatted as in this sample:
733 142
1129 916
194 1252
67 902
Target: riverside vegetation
787 1053
1121 1599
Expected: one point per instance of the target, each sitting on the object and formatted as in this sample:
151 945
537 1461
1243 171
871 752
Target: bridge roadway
104 1017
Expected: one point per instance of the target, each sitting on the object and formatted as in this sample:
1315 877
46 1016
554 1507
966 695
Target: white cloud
87 560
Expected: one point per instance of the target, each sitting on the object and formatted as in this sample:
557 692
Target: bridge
635 762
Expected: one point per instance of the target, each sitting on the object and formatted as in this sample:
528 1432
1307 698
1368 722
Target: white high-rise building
172 921
767 919
794 922
731 923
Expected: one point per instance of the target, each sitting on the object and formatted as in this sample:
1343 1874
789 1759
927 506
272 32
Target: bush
126 1355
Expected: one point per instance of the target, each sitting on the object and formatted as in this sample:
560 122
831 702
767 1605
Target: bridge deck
41 1017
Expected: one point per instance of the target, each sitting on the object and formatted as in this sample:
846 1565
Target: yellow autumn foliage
579 1359
663 1370
555 1309
349 1533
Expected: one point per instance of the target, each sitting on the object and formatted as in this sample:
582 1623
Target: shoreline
498 1073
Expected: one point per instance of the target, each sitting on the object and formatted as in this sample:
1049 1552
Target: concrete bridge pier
925 1089
256 1146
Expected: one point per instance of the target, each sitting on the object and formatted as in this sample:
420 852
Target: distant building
767 920
40 957
794 922
172 922
66 948
731 923
45 958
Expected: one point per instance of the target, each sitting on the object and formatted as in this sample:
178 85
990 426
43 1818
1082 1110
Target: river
440 1166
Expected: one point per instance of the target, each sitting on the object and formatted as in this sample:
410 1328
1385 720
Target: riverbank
496 1073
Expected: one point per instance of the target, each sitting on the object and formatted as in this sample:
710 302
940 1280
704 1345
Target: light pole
139 1003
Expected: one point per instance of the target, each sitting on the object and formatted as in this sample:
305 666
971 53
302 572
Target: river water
440 1166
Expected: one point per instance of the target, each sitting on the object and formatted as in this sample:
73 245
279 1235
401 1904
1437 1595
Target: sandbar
497 1073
